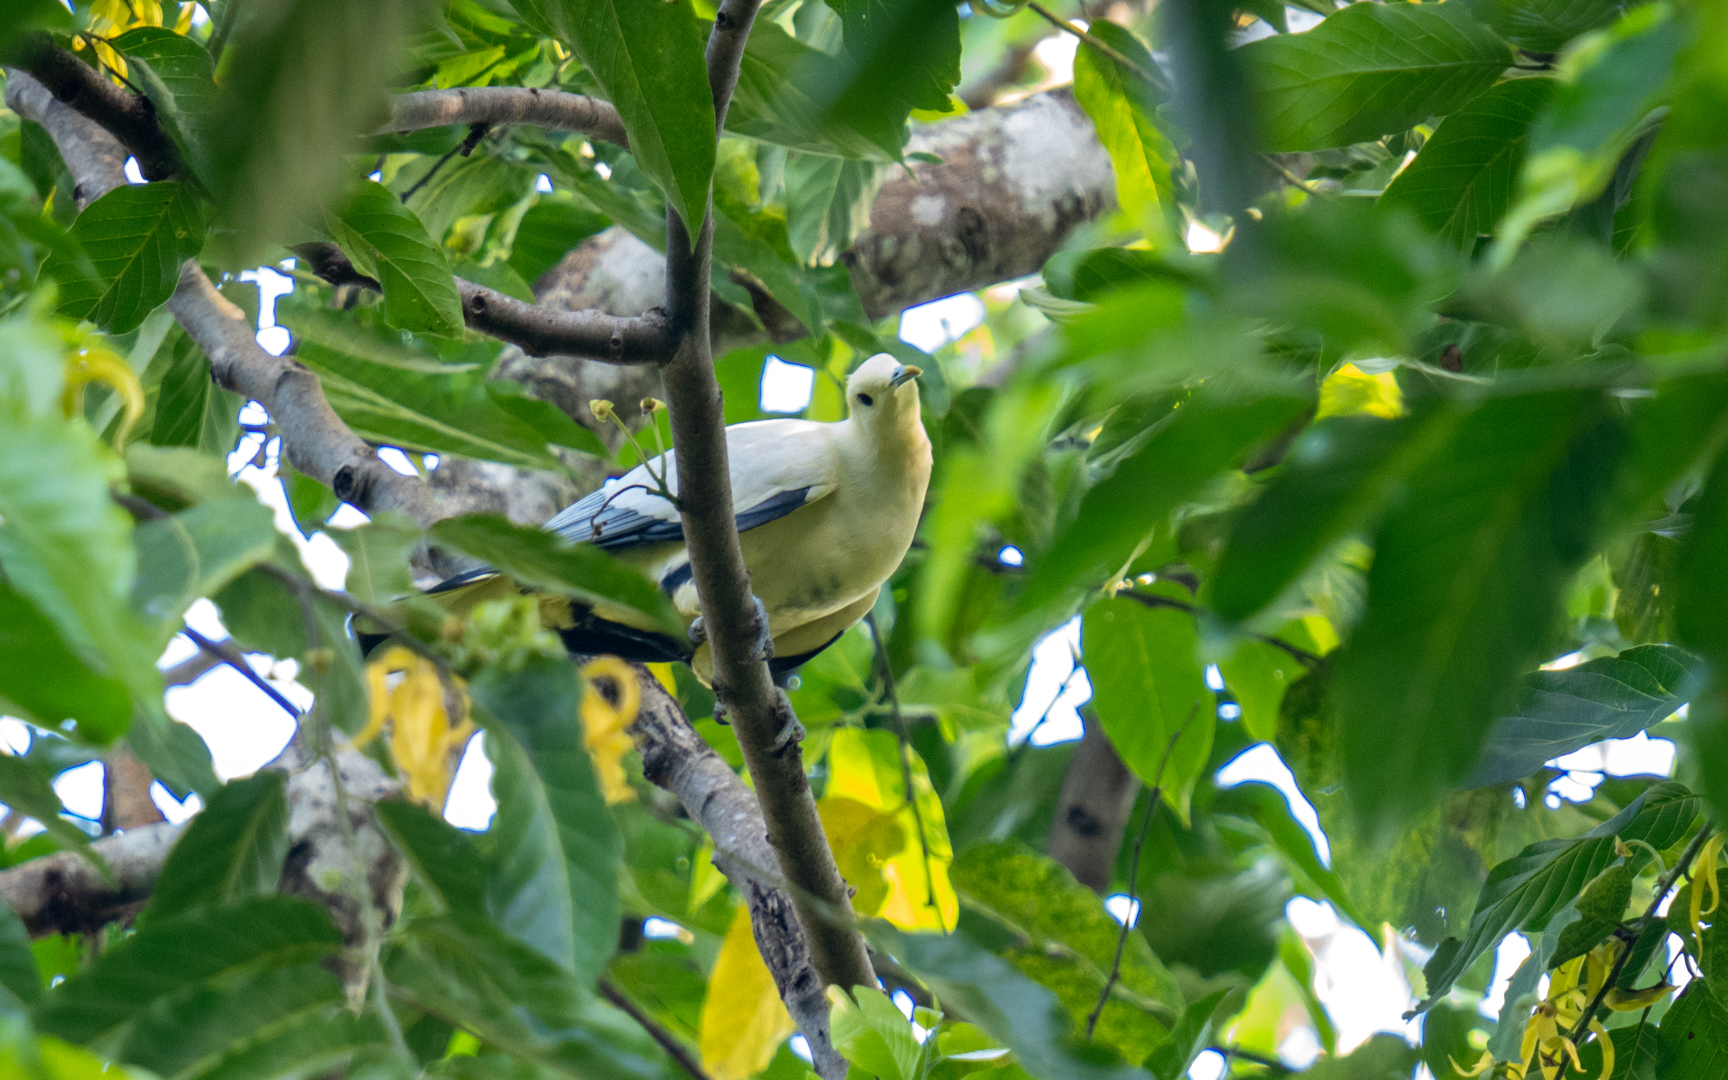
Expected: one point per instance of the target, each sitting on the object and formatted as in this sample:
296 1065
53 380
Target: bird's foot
722 715
698 631
762 649
791 731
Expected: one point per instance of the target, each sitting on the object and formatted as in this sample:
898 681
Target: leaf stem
1628 936
887 673
668 1042
1132 917
1153 600
1102 46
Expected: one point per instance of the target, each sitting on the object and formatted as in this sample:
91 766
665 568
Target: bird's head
882 391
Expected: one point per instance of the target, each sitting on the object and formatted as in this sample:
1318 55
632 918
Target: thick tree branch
65 894
675 758
129 117
760 714
1092 813
555 110
315 439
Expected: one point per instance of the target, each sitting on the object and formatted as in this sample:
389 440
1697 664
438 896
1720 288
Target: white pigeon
825 511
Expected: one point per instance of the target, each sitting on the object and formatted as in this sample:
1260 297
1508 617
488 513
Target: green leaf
906 50
190 409
196 552
1270 808
1593 117
1368 71
27 787
1466 580
178 76
828 204
477 184
554 877
284 1020
1463 179
66 547
873 1035
378 551
550 230
231 852
1335 479
1192 1034
1525 891
1611 697
1118 101
472 974
265 615
441 855
783 94
1209 434
552 423
1058 917
43 681
581 571
399 398
176 954
648 61
1382 1057
136 237
1694 1037
1703 625
301 79
1147 682
992 994
1545 26
20 981
386 242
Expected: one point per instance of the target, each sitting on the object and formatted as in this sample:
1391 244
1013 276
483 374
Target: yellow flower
605 727
1704 877
423 741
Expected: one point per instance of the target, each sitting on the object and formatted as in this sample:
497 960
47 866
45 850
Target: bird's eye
866 399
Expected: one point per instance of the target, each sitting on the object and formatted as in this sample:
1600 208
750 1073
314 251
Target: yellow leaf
743 1018
1350 391
865 767
863 839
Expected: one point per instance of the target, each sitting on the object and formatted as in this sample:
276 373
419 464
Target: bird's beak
905 374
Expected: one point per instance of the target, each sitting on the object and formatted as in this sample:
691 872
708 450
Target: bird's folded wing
777 466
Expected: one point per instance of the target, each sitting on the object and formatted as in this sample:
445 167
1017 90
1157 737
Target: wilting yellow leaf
743 1018
605 728
1350 390
865 767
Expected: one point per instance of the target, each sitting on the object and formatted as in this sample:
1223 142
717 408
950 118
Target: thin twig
887 673
1152 600
1628 936
1101 45
228 654
1278 1067
1132 917
668 1042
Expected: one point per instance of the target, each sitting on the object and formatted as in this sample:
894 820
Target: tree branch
129 117
760 714
555 110
315 439
537 331
1092 813
64 893
675 757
